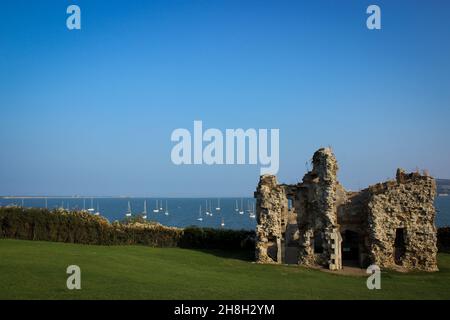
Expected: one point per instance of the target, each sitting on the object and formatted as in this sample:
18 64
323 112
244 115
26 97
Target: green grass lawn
37 270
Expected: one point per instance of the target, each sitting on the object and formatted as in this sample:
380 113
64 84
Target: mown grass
37 270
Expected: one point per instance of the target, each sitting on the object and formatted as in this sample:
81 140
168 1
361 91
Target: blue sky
92 111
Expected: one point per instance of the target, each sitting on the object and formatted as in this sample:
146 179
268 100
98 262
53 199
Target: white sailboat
222 224
156 210
210 209
218 205
241 209
200 218
128 213
207 211
161 207
167 210
236 207
252 212
91 209
144 213
98 209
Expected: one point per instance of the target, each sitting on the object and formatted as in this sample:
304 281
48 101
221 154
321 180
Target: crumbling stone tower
271 205
400 221
317 218
317 222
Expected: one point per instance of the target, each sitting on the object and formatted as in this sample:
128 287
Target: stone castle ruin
318 223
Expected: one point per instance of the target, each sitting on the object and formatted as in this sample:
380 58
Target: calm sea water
443 211
182 211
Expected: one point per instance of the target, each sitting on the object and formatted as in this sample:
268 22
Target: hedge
84 228
443 235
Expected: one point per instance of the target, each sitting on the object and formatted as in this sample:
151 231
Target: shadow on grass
243 255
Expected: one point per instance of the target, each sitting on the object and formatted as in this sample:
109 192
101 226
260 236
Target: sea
182 212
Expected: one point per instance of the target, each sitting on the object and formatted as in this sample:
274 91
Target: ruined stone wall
318 205
324 214
407 204
353 216
271 208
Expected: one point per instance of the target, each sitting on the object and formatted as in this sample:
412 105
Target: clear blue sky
92 111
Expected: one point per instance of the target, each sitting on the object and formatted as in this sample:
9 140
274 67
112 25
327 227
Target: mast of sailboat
210 208
167 210
91 209
252 211
218 204
200 214
128 213
144 213
97 213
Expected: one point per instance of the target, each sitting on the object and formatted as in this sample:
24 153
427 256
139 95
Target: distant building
318 223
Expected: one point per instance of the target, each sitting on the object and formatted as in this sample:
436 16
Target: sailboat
98 210
236 207
91 209
207 211
218 205
161 207
200 218
241 209
167 210
156 210
252 212
128 213
210 209
144 213
222 224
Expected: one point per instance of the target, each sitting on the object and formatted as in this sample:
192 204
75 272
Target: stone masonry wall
318 203
393 221
407 204
271 205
